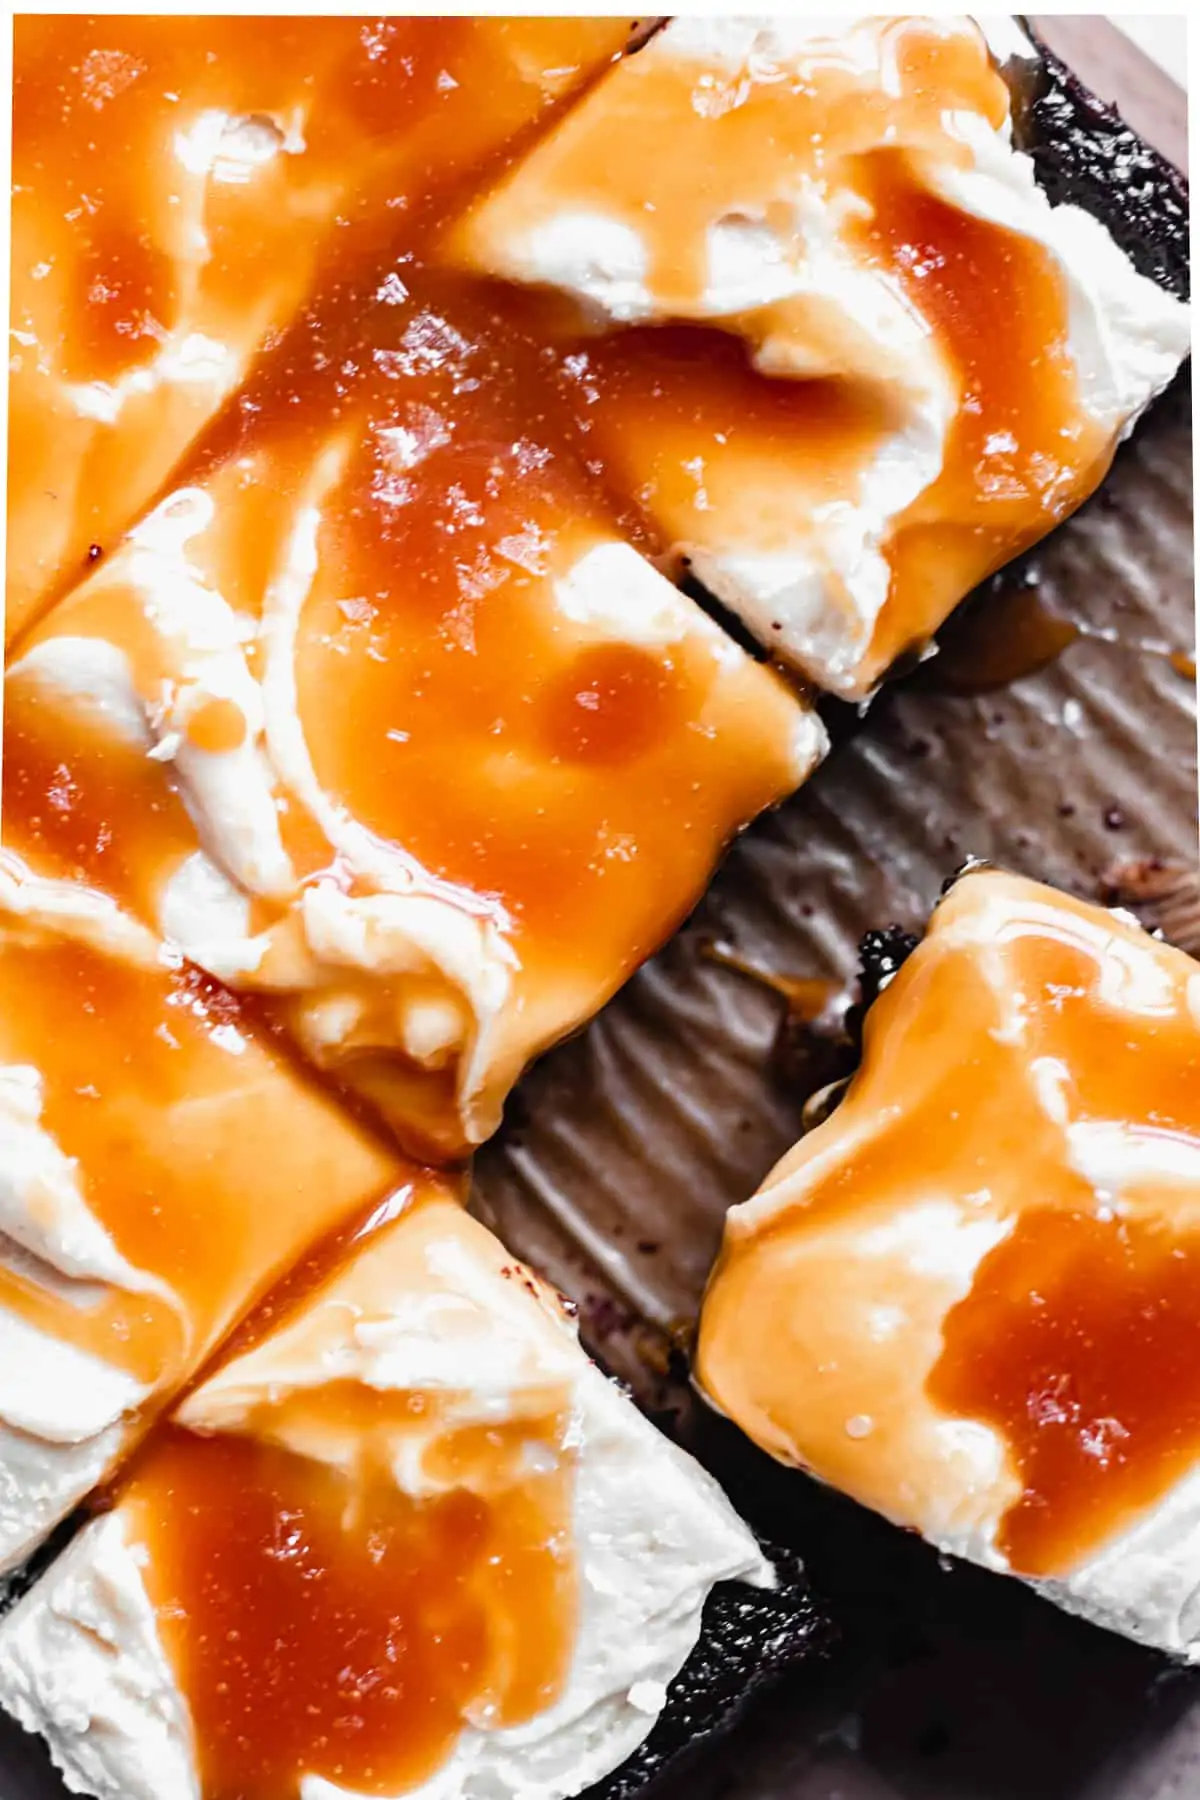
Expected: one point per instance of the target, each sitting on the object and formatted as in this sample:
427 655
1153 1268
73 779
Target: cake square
408 1540
381 716
824 329
968 1297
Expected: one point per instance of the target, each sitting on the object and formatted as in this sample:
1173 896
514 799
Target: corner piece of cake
828 332
407 1539
970 1297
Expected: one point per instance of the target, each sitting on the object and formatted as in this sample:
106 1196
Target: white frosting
959 1477
1007 40
819 603
1144 1584
99 679
615 593
785 277
201 907
230 794
231 147
62 1410
83 1663
40 1481
32 907
377 958
187 359
57 1394
80 1657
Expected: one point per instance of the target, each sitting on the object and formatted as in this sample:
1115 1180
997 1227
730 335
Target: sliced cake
408 1541
971 1296
824 329
381 716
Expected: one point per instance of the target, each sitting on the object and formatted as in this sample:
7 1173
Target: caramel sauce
723 460
322 1622
1021 453
547 766
553 768
172 180
206 1163
1078 1343
216 726
806 996
811 1049
550 766
1051 1298
999 639
609 706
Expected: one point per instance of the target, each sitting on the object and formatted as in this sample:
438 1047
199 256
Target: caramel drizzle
322 1621
1030 1079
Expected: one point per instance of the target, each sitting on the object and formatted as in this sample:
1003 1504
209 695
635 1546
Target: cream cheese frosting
62 1409
803 119
589 719
175 195
99 1321
430 1305
966 1296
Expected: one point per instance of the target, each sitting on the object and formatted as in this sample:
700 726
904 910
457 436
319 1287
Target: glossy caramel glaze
1078 1344
1022 452
551 743
586 762
968 1298
349 1573
735 466
206 1162
181 184
323 1623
